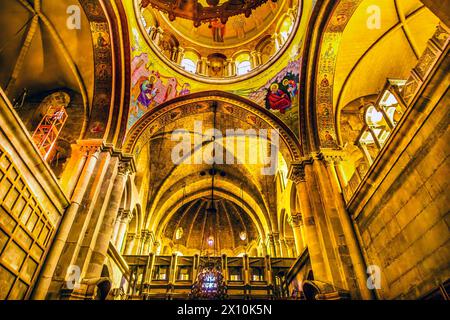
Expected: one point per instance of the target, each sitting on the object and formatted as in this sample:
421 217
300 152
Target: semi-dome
192 226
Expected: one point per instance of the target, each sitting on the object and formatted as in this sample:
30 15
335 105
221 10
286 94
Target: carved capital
124 215
124 168
297 173
296 220
90 147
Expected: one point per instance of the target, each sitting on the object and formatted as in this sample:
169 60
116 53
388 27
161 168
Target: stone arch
231 104
111 41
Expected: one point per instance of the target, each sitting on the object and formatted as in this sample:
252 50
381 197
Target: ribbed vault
231 225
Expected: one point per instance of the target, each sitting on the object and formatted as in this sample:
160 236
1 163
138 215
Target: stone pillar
262 246
136 250
124 219
284 252
151 32
180 55
296 223
290 244
156 247
146 240
130 244
101 246
341 175
231 67
203 66
255 59
91 155
246 265
115 233
312 240
277 41
271 245
333 160
158 35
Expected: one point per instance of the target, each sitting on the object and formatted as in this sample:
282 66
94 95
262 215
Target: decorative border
326 67
229 104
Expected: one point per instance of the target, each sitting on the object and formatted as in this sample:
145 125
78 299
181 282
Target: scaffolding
48 131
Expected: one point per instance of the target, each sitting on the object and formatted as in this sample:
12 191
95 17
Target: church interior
224 149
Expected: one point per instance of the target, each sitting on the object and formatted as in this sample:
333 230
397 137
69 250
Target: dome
226 225
217 50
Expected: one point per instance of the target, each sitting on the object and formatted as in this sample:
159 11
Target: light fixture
195 11
179 233
211 241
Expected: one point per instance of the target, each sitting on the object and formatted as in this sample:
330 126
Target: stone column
130 244
284 252
158 35
246 265
180 55
296 222
375 138
151 32
277 41
101 246
271 245
115 233
203 66
91 154
156 247
333 160
230 67
125 217
147 242
262 247
312 240
290 244
256 59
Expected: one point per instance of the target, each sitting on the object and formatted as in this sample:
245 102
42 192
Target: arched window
189 65
243 64
244 67
286 28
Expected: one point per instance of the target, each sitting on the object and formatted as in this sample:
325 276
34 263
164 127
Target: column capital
147 235
127 216
297 173
124 168
90 146
296 220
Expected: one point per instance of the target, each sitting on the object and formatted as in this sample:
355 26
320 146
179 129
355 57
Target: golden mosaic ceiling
262 37
238 30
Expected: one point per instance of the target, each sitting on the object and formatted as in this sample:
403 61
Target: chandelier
210 284
195 11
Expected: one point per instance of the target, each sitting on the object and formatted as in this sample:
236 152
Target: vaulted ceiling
38 52
367 57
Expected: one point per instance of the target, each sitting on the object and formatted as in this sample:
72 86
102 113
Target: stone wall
401 211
